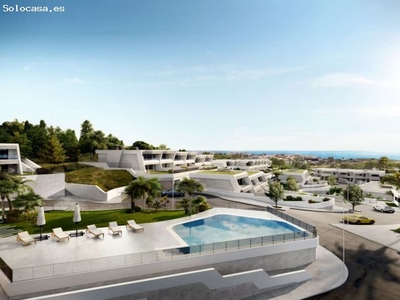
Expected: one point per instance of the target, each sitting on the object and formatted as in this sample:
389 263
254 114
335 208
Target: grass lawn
63 219
252 172
104 179
221 172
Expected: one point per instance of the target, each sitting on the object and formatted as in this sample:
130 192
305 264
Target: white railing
128 260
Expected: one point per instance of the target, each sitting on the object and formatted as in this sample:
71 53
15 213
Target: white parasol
41 220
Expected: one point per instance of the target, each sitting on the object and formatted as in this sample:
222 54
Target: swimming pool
224 227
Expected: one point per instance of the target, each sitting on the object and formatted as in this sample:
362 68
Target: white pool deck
154 237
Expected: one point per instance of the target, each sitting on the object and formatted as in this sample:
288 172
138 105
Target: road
374 270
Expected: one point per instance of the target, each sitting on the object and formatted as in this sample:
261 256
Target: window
3 154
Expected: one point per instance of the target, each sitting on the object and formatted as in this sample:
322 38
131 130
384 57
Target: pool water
221 228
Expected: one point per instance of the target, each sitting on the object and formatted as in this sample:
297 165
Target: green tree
113 142
189 186
86 127
86 143
162 147
200 204
331 180
383 162
353 195
143 188
28 201
54 152
275 192
69 143
393 179
25 146
91 140
291 184
11 184
277 163
38 136
14 132
142 145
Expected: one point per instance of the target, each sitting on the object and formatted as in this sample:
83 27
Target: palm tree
6 188
161 203
200 204
189 186
10 184
184 203
393 179
143 188
28 201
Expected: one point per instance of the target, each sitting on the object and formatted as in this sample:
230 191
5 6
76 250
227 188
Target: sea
319 153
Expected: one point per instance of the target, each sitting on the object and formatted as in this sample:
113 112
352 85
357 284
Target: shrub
312 201
137 208
289 198
204 207
30 216
298 198
43 171
326 199
13 216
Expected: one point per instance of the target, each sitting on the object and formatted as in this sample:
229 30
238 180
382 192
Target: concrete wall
266 200
48 185
284 256
92 191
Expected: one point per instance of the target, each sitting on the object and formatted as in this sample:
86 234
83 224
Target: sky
206 74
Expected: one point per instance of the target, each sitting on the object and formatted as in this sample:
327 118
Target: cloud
343 80
73 80
195 75
378 112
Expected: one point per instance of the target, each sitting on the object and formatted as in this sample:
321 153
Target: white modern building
11 162
233 181
141 161
301 176
350 175
242 164
157 160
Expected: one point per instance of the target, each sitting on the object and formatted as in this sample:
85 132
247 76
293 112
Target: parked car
384 208
172 193
358 219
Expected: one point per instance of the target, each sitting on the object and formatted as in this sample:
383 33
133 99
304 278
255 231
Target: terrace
61 265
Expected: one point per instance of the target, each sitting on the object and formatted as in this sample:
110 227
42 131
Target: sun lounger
25 238
93 230
59 234
135 227
113 226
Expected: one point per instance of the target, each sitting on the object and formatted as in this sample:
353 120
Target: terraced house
11 162
350 175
